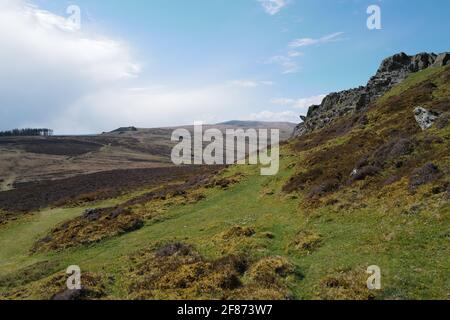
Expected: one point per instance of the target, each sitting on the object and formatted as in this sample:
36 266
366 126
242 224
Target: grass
350 240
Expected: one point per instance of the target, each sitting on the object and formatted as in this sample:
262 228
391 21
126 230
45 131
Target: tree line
26 132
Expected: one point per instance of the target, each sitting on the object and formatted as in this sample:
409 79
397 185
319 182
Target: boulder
424 118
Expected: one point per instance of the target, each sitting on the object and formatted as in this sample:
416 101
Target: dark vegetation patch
177 248
306 241
77 146
186 189
178 271
225 182
364 172
28 274
325 187
93 226
52 146
424 175
338 128
345 284
235 239
443 120
93 287
33 196
238 231
328 169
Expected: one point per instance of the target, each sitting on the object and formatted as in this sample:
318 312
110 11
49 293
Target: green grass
350 239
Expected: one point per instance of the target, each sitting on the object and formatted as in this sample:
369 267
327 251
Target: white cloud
250 83
303 104
308 102
281 116
288 64
272 7
151 107
298 107
283 101
293 54
304 42
45 65
84 82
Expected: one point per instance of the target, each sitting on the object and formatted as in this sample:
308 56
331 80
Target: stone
442 59
424 118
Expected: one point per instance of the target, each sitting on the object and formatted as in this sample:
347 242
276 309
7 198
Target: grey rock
424 118
442 59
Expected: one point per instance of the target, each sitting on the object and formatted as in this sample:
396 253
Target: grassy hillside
309 232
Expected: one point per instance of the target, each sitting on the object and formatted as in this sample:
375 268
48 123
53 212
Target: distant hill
125 129
256 123
28 159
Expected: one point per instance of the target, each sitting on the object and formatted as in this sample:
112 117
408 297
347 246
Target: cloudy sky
171 62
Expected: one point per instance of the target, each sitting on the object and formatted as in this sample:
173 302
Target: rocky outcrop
442 59
425 118
391 72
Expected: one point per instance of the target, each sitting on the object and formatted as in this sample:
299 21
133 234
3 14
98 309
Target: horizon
168 64
229 123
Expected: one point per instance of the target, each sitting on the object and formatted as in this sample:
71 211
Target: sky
153 63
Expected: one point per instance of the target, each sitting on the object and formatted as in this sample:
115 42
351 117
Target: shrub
424 175
364 172
324 188
442 121
176 248
237 232
392 150
307 241
270 270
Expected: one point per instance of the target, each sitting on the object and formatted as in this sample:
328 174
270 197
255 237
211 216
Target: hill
369 188
31 159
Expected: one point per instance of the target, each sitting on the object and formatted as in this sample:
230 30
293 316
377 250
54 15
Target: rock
424 118
442 59
392 71
422 61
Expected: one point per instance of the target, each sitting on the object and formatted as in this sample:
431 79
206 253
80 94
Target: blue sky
216 60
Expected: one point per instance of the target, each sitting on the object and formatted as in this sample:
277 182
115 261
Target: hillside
369 188
31 159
